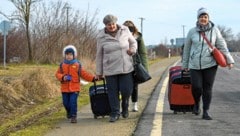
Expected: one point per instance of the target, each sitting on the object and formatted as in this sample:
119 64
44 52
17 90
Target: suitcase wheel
174 112
95 116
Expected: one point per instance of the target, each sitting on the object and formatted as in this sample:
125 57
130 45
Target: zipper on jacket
200 57
69 81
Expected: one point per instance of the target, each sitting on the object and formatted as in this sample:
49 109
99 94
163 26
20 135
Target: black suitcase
99 100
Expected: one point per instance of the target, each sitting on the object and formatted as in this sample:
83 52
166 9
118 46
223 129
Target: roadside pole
4 26
169 53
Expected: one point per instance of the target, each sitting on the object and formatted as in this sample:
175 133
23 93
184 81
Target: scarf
204 28
70 61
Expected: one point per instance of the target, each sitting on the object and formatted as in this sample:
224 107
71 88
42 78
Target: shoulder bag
140 74
217 54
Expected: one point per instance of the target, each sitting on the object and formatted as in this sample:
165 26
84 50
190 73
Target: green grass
48 122
17 69
150 62
25 118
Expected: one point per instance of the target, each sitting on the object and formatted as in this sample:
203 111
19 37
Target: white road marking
157 123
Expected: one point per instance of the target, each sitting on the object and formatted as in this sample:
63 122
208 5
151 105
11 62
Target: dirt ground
88 126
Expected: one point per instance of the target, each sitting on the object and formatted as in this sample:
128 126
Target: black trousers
134 96
202 83
116 84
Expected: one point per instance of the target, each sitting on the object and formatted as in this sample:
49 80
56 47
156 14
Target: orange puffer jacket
73 70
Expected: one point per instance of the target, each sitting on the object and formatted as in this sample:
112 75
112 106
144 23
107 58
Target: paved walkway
88 126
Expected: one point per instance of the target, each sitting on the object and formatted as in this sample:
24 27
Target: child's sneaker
73 120
68 116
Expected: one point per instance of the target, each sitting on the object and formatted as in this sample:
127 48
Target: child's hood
70 47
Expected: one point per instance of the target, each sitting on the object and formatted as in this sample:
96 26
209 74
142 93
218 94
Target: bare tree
22 15
48 31
226 33
45 33
235 44
54 26
229 37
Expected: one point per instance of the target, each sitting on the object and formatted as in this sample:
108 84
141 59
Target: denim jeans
116 84
70 103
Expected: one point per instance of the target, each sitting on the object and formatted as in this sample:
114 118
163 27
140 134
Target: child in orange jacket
69 74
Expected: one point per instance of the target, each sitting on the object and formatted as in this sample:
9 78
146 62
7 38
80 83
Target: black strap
137 58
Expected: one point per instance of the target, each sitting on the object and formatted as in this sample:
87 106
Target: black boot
196 109
206 116
125 114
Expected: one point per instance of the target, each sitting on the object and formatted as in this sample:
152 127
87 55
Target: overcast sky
163 19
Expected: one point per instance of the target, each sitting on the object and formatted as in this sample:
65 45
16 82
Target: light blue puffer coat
197 54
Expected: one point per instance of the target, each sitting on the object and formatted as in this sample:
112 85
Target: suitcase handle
186 86
104 85
185 73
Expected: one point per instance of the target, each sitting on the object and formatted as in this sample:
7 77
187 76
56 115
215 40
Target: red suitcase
179 90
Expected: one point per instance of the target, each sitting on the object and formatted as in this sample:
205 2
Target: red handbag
217 54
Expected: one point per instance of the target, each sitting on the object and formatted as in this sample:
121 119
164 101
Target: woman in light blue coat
197 58
115 47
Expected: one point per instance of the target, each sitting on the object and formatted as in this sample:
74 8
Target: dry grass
22 88
30 100
30 87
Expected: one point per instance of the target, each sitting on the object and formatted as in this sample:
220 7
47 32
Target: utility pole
183 26
183 33
4 26
141 18
67 8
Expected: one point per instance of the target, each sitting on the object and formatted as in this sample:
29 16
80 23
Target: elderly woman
115 47
197 58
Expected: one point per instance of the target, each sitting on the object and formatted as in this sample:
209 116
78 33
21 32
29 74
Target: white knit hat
70 47
202 11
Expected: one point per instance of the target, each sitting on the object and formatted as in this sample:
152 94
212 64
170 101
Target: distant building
180 41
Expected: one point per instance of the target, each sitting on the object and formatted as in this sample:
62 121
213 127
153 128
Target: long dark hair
130 25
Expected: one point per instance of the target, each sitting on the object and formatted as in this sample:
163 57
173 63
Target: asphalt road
155 117
159 120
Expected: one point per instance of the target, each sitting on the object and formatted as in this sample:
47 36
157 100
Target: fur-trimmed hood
71 47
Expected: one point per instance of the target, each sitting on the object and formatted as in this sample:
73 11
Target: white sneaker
135 107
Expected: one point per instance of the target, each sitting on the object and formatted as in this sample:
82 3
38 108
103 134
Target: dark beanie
69 50
109 19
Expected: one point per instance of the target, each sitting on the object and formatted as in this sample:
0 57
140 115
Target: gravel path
88 126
